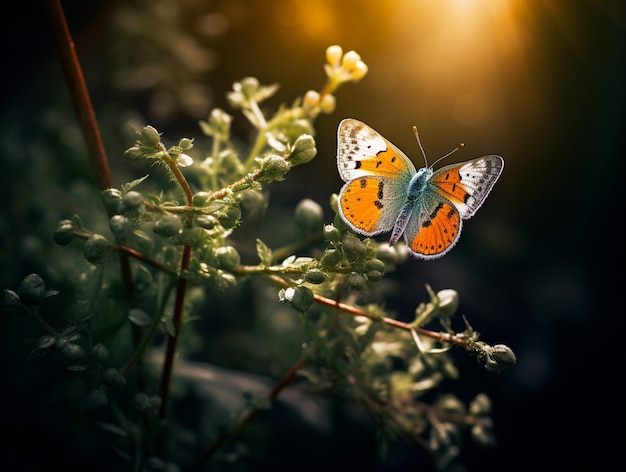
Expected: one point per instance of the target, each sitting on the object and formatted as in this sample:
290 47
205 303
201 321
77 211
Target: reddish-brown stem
89 126
179 303
80 95
170 351
252 414
127 251
181 179
389 321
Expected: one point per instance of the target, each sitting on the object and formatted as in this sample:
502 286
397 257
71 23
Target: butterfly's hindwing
369 204
434 227
467 184
361 151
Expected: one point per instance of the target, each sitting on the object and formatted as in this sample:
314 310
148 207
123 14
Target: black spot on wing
436 210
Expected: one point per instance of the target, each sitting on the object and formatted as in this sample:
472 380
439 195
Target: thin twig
80 95
179 303
443 337
252 414
89 126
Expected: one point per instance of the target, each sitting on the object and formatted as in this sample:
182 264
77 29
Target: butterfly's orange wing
377 175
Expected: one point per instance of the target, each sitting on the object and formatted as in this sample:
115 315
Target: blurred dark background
539 83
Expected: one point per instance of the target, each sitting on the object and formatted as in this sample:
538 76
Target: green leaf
264 252
139 317
134 183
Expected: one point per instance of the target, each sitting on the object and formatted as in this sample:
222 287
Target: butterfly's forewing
362 151
377 175
467 184
434 227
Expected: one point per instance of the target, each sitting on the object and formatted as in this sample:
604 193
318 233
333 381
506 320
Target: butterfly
383 191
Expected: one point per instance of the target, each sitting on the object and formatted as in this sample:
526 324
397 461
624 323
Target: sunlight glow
461 50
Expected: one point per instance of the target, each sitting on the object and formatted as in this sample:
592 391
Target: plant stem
251 415
170 352
89 126
442 337
80 95
179 303
182 181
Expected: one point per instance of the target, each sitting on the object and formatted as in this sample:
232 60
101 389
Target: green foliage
182 244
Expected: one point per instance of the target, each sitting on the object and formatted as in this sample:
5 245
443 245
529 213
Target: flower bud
311 99
230 217
331 234
228 257
73 354
64 233
447 302
303 151
132 200
504 356
375 264
218 125
330 258
338 221
168 225
301 298
355 282
121 227
206 221
309 216
315 276
185 144
328 104
113 379
150 136
249 86
273 167
352 247
95 248
333 55
497 358
201 199
32 290
112 198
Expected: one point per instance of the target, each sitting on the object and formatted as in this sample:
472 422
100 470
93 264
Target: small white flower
183 160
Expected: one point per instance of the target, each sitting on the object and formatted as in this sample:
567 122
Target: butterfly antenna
461 145
417 136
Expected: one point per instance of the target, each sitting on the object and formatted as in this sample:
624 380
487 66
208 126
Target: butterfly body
384 192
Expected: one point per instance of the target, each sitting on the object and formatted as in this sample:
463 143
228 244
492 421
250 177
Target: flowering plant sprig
187 262
340 68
